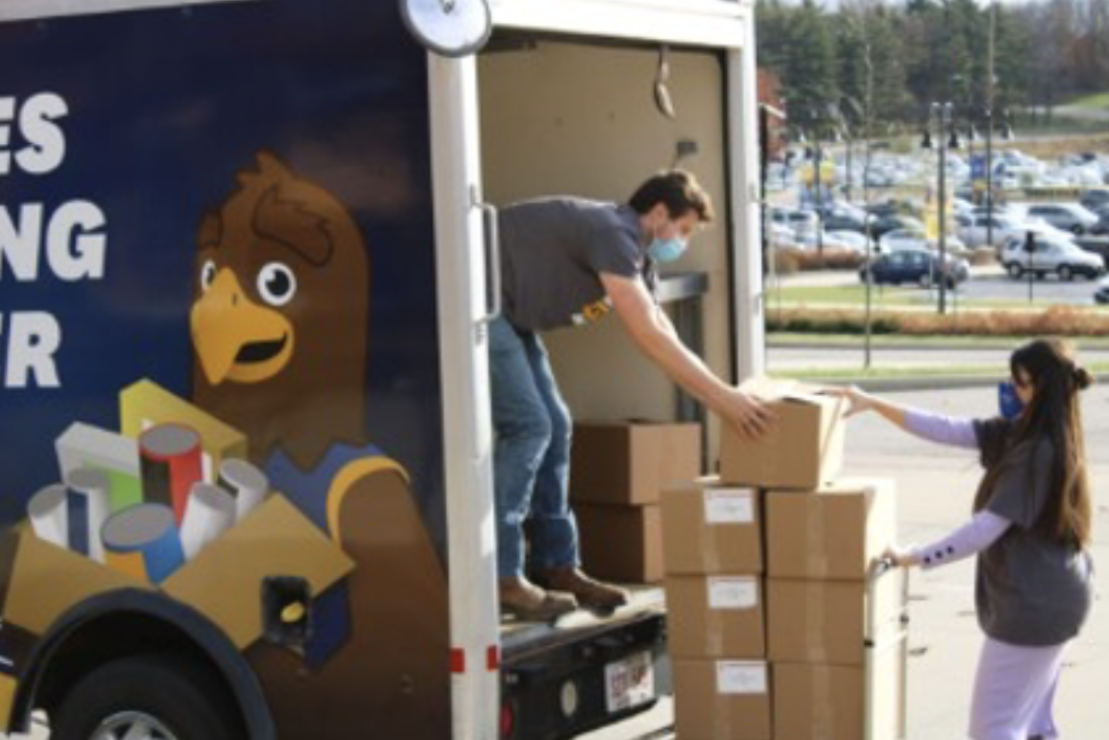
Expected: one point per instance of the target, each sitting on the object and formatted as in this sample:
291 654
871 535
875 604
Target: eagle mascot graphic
280 329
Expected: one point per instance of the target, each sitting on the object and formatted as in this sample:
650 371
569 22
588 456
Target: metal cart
886 635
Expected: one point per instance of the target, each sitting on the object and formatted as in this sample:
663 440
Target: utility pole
943 119
989 123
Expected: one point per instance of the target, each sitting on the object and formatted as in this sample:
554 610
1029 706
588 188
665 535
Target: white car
852 239
1067 216
1050 255
977 231
802 223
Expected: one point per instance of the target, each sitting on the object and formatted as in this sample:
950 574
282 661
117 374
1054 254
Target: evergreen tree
808 76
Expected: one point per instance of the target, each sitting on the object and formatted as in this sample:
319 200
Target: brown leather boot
524 600
591 594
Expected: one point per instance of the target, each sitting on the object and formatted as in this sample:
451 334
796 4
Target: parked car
1101 295
917 266
885 224
844 222
976 232
1066 216
802 222
1049 255
854 239
1095 200
901 239
1102 226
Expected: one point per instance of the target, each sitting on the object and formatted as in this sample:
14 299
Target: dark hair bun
1082 378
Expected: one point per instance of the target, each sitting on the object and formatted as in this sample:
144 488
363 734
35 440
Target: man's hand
747 414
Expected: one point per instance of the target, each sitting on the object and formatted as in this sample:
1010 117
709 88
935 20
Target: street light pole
989 124
943 117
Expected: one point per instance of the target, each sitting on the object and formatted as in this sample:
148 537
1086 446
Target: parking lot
987 283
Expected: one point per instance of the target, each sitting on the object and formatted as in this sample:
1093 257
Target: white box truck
245 244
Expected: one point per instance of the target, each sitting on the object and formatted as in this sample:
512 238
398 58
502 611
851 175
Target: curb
931 383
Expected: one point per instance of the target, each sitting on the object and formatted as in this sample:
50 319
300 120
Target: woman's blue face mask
1008 401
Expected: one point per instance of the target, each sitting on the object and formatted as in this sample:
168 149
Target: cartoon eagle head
280 316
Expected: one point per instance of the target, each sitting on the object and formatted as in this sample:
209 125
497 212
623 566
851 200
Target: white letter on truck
33 338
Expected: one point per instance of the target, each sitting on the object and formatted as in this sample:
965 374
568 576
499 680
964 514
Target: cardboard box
621 543
832 534
224 582
710 528
722 700
802 450
827 702
629 463
715 617
824 621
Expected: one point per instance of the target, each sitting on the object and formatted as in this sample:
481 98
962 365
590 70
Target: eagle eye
277 284
207 275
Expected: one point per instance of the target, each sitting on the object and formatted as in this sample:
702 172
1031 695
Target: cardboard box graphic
621 543
223 582
802 450
827 702
629 463
832 534
824 621
715 617
708 527
722 700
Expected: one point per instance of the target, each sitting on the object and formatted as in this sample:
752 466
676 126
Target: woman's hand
860 400
903 557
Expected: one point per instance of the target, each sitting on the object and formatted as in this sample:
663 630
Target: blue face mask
666 250
1008 401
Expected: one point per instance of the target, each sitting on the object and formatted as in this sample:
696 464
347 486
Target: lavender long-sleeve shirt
985 527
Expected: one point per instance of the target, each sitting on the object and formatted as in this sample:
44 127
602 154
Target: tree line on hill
885 64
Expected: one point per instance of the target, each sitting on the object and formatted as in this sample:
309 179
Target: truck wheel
1066 273
1015 271
146 697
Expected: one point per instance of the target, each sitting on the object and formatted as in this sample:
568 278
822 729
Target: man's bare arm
653 333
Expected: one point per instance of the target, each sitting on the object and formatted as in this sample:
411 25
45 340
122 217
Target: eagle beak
235 338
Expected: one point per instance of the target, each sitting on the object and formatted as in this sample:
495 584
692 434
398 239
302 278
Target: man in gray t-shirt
567 262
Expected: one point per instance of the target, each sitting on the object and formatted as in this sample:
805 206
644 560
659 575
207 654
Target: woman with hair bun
1030 530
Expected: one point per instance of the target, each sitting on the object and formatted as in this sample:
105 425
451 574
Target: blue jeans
531 459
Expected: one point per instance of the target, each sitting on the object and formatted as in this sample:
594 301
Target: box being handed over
802 450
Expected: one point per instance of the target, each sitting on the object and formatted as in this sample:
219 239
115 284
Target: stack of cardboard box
616 478
713 551
780 657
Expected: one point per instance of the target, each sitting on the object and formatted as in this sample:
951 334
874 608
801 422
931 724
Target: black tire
1015 270
173 692
1066 273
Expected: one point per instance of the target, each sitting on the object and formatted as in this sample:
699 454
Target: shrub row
1056 320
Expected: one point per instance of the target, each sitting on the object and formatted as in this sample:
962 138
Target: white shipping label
736 677
733 506
733 593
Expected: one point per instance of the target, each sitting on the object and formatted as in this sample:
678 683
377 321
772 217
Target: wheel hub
132 726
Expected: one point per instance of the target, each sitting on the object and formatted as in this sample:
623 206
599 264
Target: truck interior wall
573 118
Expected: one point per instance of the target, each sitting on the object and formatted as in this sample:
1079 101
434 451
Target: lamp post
989 123
942 112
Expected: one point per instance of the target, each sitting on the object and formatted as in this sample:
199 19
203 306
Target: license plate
629 682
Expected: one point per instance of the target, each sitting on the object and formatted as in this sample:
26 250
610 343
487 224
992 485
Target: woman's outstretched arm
923 424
